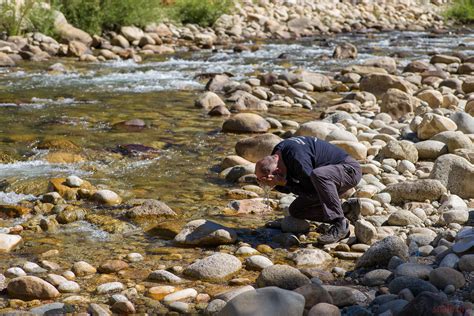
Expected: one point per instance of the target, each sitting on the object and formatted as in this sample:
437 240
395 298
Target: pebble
180 295
110 287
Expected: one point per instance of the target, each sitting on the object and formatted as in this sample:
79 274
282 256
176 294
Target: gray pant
329 182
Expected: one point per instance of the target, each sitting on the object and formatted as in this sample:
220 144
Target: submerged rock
150 209
9 242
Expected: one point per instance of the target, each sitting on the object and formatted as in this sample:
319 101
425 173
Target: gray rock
425 304
202 232
456 174
266 301
345 296
419 190
400 150
394 306
48 309
214 307
403 218
164 276
431 149
255 148
228 295
376 277
150 209
464 121
415 285
416 270
449 261
282 276
257 263
314 294
111 287
217 267
466 263
382 251
442 277
309 257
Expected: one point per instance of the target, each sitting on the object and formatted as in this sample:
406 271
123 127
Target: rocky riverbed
128 187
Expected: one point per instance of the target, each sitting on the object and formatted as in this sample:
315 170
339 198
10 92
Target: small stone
9 242
107 197
164 276
159 292
180 295
134 257
376 277
324 309
74 181
69 287
257 263
112 266
123 308
82 268
111 287
282 276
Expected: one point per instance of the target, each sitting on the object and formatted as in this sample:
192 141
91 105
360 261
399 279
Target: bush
32 16
461 10
94 16
202 12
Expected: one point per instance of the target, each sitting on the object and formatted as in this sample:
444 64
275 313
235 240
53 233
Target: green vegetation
97 16
94 16
202 12
30 17
461 11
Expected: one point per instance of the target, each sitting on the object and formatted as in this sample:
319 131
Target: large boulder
380 253
255 148
433 124
202 232
456 174
419 190
218 267
398 103
378 84
431 149
317 129
246 123
282 276
31 288
266 301
400 150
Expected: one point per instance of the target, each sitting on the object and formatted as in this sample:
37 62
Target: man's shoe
336 232
351 209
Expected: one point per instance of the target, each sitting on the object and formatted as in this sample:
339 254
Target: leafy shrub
94 16
32 16
202 12
461 11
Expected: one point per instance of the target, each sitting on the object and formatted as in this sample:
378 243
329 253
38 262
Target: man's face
272 179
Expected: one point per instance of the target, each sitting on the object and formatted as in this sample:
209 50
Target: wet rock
324 309
246 123
345 51
257 263
69 287
345 296
250 206
455 173
255 148
82 268
219 110
164 276
112 266
55 279
415 285
217 267
419 190
266 301
400 150
9 242
6 61
98 310
433 124
376 277
314 294
282 276
13 211
236 172
205 233
431 149
111 287
209 100
180 295
380 253
107 197
123 308
150 209
443 276
30 288
159 292
214 307
290 224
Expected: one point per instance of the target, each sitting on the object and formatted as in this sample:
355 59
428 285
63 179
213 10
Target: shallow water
83 105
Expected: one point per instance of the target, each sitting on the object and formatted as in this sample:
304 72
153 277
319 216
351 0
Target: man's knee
295 211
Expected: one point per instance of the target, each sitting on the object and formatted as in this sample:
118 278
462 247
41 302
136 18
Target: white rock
180 295
8 242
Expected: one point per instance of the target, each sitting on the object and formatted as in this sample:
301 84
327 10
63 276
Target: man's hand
272 180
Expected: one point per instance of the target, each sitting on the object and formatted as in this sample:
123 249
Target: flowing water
83 105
